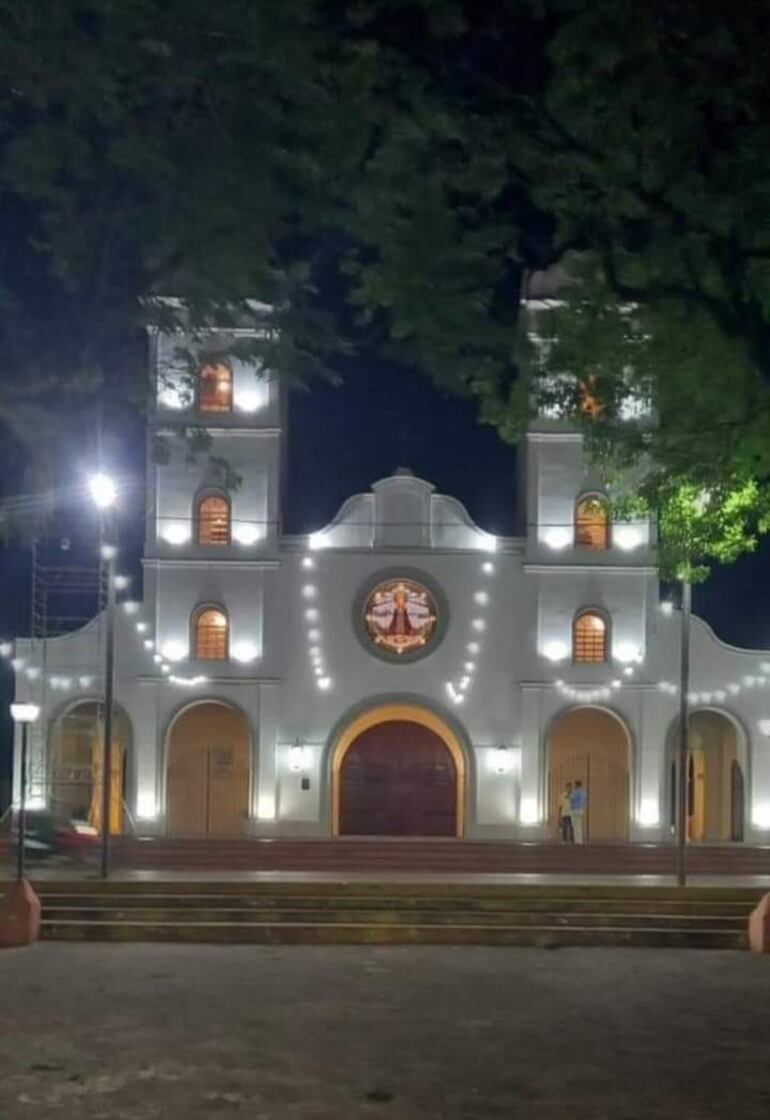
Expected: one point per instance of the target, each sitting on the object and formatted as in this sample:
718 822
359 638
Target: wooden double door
207 792
398 779
589 745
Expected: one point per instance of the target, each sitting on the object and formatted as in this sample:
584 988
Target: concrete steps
377 914
438 856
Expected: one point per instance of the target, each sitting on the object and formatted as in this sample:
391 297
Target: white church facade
398 672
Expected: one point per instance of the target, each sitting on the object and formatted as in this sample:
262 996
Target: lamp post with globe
104 494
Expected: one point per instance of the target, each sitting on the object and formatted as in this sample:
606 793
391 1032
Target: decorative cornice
576 569
219 562
165 428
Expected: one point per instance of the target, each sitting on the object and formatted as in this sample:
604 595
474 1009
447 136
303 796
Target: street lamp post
104 493
25 714
682 768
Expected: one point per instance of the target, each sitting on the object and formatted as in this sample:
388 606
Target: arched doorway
398 771
207 789
591 745
77 764
715 779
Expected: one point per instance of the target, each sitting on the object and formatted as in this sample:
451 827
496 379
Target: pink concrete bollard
759 927
19 916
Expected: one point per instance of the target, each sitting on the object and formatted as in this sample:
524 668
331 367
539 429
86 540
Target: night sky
343 438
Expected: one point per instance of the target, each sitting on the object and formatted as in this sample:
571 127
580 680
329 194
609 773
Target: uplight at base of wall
529 812
266 808
649 814
146 807
760 816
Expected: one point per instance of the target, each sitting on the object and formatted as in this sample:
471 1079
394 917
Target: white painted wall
506 600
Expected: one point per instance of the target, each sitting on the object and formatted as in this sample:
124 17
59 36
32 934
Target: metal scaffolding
69 587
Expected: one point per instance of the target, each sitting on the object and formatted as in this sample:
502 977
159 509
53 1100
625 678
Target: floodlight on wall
667 607
24 712
528 813
246 534
266 808
244 651
250 400
308 562
174 650
627 652
324 683
146 806
502 759
648 815
178 532
318 540
760 816
626 537
488 568
555 651
764 726
557 537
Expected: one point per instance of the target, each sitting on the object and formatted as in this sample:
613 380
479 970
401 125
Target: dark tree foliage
153 148
433 153
626 144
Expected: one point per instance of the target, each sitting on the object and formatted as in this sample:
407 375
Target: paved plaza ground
181 1032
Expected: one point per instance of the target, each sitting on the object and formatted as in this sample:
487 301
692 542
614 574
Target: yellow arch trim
391 713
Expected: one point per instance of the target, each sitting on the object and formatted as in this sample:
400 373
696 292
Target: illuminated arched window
589 402
210 634
592 522
589 638
213 520
215 388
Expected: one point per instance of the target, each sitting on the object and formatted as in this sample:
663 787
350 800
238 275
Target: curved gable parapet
453 527
709 635
403 511
351 527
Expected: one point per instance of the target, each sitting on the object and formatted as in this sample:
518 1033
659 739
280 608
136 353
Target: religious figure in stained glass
400 616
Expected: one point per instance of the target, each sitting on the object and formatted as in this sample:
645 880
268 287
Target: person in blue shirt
578 804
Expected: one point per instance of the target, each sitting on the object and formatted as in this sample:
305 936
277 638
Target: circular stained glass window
400 616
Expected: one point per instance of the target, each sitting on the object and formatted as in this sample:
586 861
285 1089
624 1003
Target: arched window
210 634
213 520
592 522
589 402
215 388
589 638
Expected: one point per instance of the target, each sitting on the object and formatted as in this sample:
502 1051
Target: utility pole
109 683
682 768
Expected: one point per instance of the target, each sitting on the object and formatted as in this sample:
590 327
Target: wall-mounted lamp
297 757
502 759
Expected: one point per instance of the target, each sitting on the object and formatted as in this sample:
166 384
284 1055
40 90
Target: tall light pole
25 714
682 769
104 493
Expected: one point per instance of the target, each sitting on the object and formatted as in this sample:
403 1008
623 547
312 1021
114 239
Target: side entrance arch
207 783
76 764
591 745
716 779
398 770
